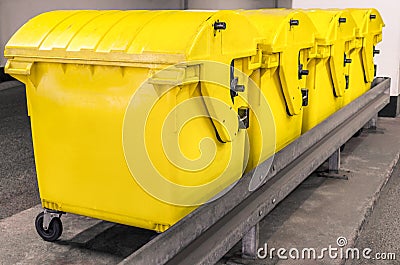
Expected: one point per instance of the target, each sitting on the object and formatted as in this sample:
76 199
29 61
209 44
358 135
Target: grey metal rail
209 232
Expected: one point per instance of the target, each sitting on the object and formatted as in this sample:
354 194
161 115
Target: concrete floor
18 185
314 215
382 228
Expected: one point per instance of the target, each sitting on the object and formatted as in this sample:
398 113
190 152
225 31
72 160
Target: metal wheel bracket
48 216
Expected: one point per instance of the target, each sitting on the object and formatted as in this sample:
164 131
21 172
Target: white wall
230 4
389 60
14 13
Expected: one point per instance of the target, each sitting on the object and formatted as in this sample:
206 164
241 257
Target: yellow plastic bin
362 69
328 80
85 70
287 37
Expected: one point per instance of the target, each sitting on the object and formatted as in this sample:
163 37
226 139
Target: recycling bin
287 38
369 34
329 77
132 112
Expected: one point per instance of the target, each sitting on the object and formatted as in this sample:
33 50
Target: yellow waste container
362 69
329 67
139 117
287 37
120 105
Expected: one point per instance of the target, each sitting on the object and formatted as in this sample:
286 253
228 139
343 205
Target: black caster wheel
53 232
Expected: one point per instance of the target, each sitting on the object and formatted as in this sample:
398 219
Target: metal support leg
250 243
371 124
334 162
333 170
374 121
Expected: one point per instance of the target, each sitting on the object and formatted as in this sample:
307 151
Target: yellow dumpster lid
129 36
275 25
332 25
369 20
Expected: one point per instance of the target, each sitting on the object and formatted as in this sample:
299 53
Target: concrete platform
321 210
84 241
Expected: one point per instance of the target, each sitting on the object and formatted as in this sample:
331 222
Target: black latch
342 20
243 114
375 69
374 51
372 16
219 25
302 71
304 95
235 86
347 81
294 22
346 60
